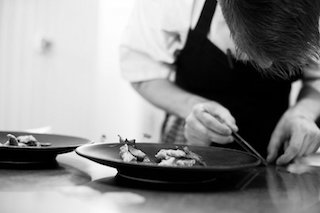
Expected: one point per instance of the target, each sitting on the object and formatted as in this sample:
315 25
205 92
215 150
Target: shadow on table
223 181
53 164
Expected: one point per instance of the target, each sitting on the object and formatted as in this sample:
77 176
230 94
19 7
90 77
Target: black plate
218 160
37 155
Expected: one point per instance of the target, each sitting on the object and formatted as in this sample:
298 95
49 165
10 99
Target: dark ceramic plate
218 160
38 155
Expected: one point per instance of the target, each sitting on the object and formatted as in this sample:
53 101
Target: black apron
256 102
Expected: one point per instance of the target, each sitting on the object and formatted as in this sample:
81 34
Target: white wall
47 87
75 87
120 109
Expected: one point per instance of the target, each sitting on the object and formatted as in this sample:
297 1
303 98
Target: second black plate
10 155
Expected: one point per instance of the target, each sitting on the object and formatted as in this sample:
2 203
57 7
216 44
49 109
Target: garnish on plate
129 153
179 157
24 141
165 157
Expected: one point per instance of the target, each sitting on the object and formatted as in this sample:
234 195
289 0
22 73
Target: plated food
24 148
165 157
23 141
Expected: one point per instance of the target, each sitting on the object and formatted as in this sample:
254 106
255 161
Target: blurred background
59 71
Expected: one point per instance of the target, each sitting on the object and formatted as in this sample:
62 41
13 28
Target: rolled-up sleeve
155 33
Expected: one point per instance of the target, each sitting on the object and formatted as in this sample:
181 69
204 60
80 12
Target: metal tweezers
246 146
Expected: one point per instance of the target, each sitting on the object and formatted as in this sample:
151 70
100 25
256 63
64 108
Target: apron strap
204 21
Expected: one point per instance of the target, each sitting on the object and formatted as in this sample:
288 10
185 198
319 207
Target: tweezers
246 146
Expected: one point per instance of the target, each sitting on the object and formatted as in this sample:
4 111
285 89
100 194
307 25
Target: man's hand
298 135
209 122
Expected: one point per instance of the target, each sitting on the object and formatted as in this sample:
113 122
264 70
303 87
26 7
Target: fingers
220 114
212 123
198 133
288 156
209 122
311 146
275 143
298 145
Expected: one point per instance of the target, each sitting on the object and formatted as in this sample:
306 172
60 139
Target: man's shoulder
171 15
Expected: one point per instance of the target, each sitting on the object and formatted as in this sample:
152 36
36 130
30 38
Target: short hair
283 31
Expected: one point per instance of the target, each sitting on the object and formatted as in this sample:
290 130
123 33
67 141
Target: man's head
284 32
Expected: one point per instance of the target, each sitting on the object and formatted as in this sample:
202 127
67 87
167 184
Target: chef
227 65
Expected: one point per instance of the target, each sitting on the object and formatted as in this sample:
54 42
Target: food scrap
129 153
178 157
126 155
165 157
126 141
24 141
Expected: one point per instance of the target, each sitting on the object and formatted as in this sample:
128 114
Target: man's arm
165 95
202 115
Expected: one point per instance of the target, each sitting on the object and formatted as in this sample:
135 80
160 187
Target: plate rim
118 162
